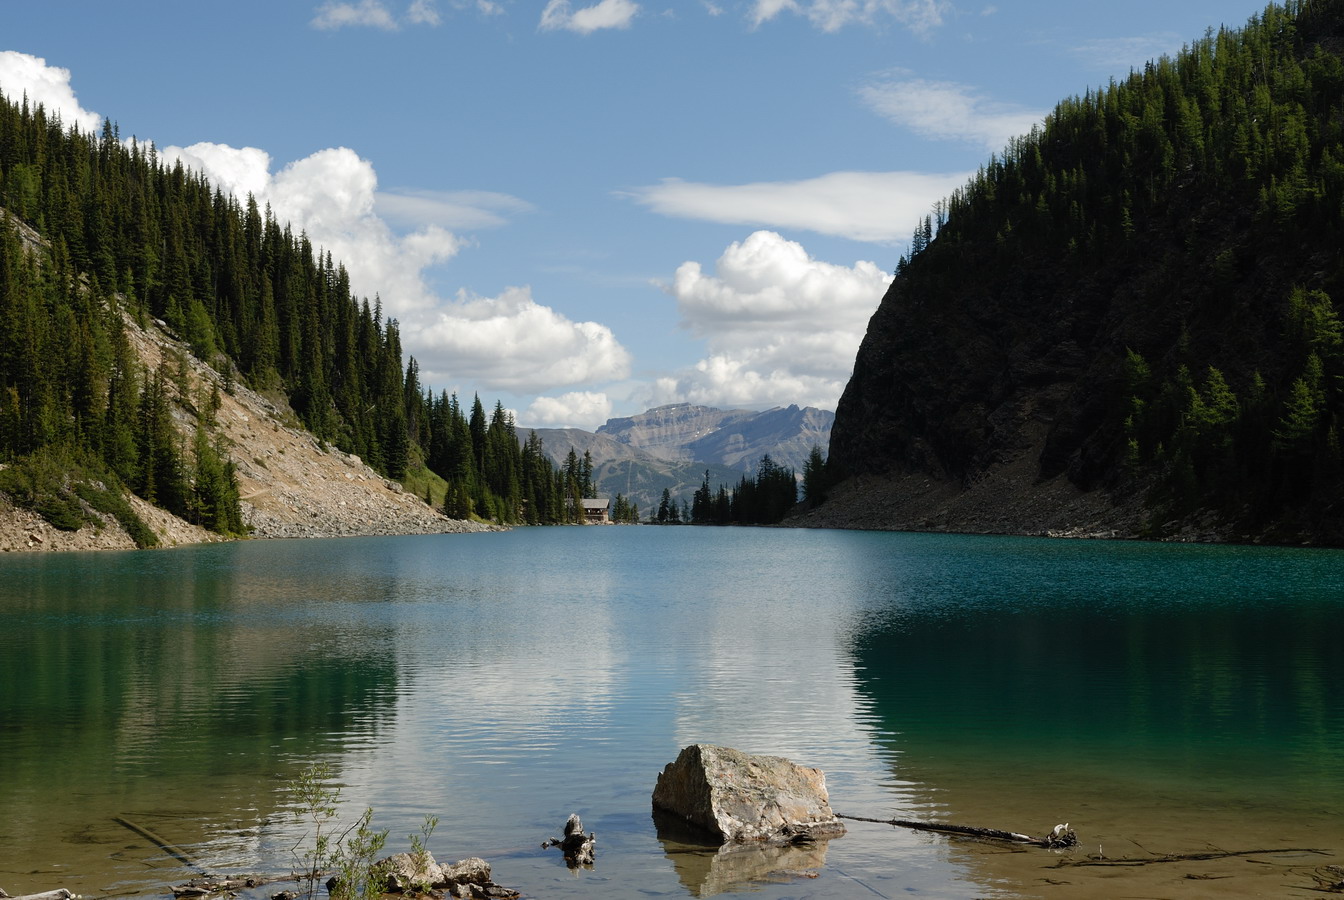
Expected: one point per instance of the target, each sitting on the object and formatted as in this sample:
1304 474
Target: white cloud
605 14
1127 53
423 12
920 16
948 111
577 409
781 327
367 13
513 343
49 86
863 206
336 14
449 209
330 196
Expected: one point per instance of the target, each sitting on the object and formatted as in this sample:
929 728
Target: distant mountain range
673 446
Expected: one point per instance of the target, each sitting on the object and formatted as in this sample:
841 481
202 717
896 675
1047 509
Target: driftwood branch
207 885
1186 857
1060 836
167 846
58 894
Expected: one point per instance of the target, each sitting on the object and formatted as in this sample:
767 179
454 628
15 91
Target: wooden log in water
207 885
58 894
1061 836
1185 857
168 847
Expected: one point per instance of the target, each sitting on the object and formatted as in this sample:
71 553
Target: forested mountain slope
100 241
1130 316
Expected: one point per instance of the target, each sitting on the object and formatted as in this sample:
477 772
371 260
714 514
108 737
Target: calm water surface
1160 698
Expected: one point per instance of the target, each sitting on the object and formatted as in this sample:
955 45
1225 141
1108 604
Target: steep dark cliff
1136 301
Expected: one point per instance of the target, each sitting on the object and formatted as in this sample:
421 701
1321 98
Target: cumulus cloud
577 409
513 343
449 209
366 13
780 326
559 14
920 16
49 86
862 206
948 111
330 197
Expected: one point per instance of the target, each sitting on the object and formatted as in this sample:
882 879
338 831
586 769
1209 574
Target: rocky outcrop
408 873
736 797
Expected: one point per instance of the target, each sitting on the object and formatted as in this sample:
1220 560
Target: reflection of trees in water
1047 695
170 693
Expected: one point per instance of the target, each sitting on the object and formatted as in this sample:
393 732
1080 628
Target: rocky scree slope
291 486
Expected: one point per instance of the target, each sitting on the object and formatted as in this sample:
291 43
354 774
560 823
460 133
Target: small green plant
351 856
420 853
316 801
355 858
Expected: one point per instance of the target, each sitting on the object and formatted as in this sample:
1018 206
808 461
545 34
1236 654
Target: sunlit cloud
23 74
863 206
947 111
920 16
780 327
577 409
559 14
330 197
511 342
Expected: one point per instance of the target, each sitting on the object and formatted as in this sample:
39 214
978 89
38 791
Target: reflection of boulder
737 797
706 871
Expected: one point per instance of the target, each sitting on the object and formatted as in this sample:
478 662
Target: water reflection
707 872
1142 693
196 677
506 681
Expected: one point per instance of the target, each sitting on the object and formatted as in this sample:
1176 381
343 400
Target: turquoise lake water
1160 698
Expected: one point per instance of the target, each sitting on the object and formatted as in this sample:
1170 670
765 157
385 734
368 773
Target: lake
1160 698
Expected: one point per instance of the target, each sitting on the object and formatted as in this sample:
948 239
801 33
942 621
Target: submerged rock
737 797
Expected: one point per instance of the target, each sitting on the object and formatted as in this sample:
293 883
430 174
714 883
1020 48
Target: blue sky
588 208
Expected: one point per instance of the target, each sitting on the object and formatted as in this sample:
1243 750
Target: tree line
763 498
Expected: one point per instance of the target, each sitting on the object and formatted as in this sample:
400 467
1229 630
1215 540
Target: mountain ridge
673 446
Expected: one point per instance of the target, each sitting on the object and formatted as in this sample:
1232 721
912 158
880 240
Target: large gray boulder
736 797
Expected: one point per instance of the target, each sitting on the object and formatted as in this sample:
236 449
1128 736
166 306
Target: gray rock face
736 797
737 438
